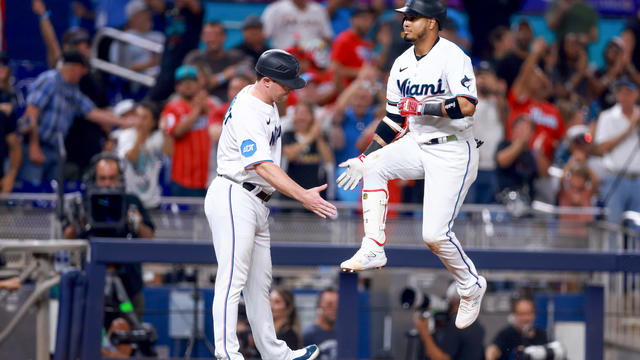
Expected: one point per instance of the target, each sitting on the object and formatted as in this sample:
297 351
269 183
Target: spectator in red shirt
350 49
186 119
528 95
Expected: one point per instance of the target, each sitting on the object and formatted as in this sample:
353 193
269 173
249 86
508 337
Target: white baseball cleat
365 259
470 305
308 353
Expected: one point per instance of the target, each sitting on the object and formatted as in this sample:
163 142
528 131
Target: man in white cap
139 23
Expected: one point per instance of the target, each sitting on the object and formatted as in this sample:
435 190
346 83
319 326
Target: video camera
107 208
425 305
100 210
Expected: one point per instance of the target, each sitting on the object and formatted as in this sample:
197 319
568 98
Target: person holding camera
449 342
519 334
103 205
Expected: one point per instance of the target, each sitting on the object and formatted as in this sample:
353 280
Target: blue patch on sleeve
248 148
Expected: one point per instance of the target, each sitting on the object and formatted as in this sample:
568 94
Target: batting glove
351 177
410 106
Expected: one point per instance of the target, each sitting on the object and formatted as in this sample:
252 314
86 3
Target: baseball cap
124 107
75 36
186 72
579 133
134 7
625 82
74 57
252 21
617 41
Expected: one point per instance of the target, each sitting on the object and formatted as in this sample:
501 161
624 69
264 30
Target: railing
34 259
478 226
622 289
118 70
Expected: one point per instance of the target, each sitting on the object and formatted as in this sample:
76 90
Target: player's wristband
46 15
452 107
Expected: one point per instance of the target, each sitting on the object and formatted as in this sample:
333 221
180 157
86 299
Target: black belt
262 195
441 140
446 139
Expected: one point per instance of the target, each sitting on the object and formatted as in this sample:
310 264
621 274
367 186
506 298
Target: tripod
196 334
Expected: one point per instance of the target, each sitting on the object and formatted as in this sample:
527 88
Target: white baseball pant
240 229
448 171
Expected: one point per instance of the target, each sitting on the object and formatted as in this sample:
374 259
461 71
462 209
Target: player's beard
421 35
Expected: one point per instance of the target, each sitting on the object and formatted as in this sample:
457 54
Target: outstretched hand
314 202
350 178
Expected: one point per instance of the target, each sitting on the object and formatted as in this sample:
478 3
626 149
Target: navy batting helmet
433 9
280 66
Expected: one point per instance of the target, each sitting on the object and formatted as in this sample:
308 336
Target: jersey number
227 115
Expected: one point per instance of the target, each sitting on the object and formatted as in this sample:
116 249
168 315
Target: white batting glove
351 177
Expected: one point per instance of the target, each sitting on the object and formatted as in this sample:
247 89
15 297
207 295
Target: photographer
519 334
105 188
448 342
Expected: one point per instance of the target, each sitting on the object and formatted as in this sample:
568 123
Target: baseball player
235 205
432 91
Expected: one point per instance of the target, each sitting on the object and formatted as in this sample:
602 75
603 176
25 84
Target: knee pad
374 213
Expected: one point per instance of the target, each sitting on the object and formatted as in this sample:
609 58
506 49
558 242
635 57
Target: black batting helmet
433 9
282 67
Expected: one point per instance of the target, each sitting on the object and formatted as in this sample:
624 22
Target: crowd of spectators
555 128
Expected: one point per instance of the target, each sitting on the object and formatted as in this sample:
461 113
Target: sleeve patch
466 82
248 148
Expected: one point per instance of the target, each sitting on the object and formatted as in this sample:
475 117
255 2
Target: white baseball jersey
448 169
251 134
443 73
240 228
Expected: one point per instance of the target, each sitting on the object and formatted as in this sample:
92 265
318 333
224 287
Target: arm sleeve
253 140
461 79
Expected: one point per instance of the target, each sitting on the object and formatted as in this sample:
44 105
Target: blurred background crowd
558 90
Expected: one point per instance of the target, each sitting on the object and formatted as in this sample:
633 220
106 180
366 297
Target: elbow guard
389 127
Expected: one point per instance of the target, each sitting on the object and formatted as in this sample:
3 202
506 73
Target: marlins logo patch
466 82
248 148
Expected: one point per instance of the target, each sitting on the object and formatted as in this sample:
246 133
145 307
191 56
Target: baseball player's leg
256 295
232 219
401 160
450 169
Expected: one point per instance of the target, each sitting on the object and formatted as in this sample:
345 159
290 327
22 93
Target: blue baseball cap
186 72
625 82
